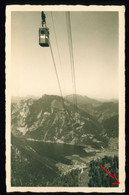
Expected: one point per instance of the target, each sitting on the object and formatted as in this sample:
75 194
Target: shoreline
87 148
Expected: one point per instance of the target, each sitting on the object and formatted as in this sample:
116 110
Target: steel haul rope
71 57
56 71
57 47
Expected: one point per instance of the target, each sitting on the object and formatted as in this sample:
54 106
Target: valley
51 139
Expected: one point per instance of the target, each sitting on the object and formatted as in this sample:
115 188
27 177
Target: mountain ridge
50 118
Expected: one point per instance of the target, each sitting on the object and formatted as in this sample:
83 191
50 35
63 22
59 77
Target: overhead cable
71 57
56 71
57 47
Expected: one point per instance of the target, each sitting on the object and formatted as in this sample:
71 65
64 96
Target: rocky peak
50 119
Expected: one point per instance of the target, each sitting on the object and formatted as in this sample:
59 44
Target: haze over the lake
95 51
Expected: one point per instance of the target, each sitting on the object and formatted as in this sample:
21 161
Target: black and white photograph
65 109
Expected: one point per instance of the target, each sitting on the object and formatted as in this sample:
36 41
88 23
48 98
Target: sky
95 51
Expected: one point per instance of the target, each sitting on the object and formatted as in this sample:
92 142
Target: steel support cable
67 23
71 57
57 47
56 71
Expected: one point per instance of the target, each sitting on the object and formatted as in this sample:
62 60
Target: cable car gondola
44 33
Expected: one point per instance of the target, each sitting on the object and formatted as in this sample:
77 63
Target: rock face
53 119
106 113
35 121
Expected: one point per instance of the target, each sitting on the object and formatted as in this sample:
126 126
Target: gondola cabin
44 37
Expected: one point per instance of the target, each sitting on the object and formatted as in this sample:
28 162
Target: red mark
107 172
116 180
111 176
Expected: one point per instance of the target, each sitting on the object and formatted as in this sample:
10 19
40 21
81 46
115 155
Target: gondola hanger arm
43 17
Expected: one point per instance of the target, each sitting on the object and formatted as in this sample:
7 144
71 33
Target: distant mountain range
83 100
98 109
15 99
53 119
50 136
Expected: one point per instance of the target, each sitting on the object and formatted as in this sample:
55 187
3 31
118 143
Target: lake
43 157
